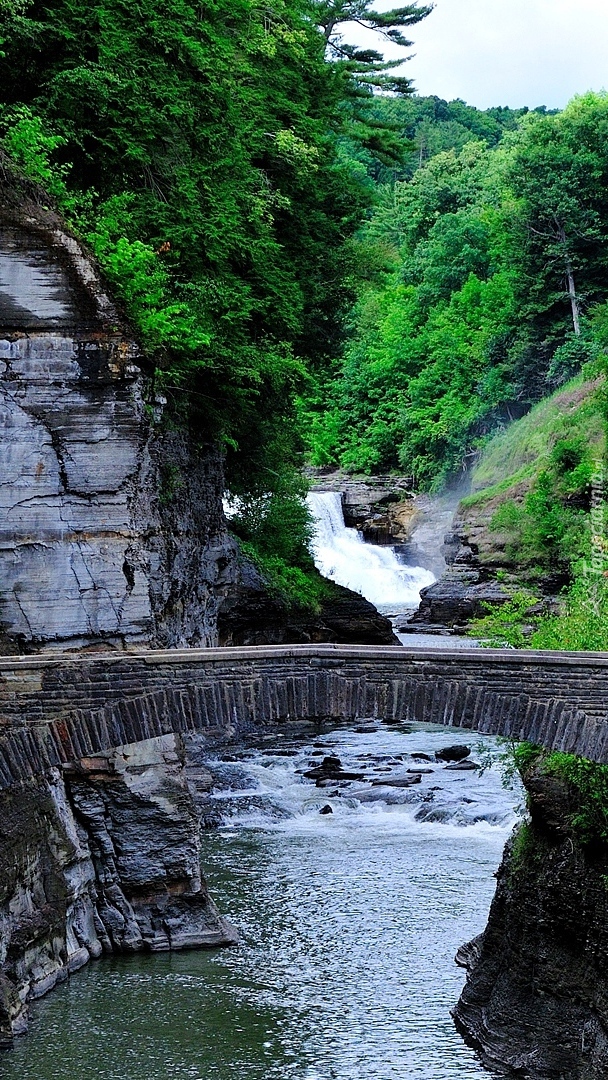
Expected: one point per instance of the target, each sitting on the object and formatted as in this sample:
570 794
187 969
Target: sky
505 52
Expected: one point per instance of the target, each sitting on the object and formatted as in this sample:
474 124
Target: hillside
533 524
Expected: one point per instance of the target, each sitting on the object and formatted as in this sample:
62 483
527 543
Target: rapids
349 924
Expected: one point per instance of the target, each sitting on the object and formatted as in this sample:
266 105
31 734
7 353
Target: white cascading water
342 555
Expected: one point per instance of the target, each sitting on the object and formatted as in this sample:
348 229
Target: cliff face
110 533
102 859
536 999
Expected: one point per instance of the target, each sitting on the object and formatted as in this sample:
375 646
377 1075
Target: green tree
364 70
368 66
194 145
558 171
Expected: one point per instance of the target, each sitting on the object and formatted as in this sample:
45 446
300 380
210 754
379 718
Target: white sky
505 52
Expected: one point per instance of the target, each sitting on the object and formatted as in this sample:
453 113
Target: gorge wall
100 858
111 528
112 531
536 999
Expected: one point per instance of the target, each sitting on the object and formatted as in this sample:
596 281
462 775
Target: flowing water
376 572
342 555
349 919
349 923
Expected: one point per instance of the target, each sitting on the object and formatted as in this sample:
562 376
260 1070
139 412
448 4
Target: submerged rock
462 766
398 781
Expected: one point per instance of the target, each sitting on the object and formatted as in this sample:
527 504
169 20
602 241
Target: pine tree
367 67
365 70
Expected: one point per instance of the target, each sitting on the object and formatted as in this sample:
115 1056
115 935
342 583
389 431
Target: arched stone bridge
59 709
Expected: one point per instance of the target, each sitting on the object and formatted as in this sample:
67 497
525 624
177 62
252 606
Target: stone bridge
57 710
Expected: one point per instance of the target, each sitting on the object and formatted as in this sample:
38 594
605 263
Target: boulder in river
253 615
399 781
453 753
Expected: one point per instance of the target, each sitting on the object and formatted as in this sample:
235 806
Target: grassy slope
513 458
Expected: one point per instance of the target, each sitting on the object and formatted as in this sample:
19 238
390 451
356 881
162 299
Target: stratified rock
251 615
103 859
457 598
382 508
536 998
477 555
111 530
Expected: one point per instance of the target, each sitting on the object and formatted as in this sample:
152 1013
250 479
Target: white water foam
342 555
471 805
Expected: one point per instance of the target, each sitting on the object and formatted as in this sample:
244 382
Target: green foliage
586 780
275 529
583 624
277 522
366 69
520 450
542 531
493 292
31 146
297 588
195 148
526 848
522 756
506 626
589 782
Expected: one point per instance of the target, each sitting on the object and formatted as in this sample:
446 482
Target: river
349 924
349 919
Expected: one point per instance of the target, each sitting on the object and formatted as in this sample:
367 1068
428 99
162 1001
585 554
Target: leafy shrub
589 782
506 626
583 624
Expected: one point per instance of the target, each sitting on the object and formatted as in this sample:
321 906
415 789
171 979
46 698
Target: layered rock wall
536 999
111 529
99 858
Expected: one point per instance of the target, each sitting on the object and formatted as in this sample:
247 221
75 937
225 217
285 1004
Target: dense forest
321 266
206 153
487 291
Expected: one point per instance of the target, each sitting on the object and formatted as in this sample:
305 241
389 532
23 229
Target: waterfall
342 555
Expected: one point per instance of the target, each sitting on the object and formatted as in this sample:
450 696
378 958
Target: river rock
462 766
326 810
330 769
453 753
399 781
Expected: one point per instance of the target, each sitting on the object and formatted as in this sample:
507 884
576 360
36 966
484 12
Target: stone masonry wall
57 711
